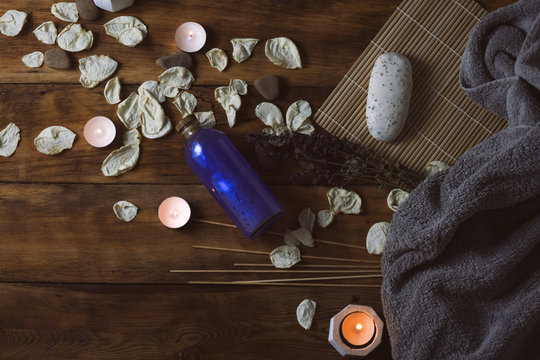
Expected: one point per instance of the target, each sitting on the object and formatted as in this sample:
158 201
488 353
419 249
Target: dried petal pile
395 198
65 11
242 48
283 52
128 111
218 59
229 98
124 210
9 139
121 160
96 68
12 22
285 256
341 201
54 139
376 237
128 30
305 312
74 38
112 91
33 60
46 33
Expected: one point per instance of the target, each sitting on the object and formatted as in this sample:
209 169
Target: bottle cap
185 122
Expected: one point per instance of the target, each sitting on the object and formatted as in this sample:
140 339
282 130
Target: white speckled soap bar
389 94
113 5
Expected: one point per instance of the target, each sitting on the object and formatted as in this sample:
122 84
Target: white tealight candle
190 37
99 131
174 212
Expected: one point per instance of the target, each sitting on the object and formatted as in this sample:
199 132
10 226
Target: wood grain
77 283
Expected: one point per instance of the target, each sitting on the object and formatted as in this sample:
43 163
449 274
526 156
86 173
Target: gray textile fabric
461 267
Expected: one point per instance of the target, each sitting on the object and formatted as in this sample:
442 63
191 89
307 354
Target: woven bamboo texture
442 123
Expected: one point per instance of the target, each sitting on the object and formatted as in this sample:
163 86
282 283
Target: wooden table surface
77 283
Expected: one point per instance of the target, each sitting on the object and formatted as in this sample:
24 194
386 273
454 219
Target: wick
358 326
175 213
99 131
191 34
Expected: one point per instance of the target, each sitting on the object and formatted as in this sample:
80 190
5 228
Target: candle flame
99 131
175 213
358 326
190 34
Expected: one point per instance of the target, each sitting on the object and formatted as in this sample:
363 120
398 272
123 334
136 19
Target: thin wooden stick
313 278
365 267
279 234
271 271
267 253
281 284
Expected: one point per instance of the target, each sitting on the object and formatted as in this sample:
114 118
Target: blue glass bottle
230 178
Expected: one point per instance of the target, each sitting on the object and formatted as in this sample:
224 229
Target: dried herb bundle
328 160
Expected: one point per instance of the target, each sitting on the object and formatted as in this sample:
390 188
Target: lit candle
174 212
358 328
99 131
190 37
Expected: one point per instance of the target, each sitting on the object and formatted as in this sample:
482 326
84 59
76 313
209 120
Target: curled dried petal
9 140
434 167
341 200
154 123
269 114
112 91
74 38
238 85
154 88
96 68
206 118
66 11
376 237
185 103
46 33
12 22
54 139
307 219
175 78
395 198
218 58
128 30
325 218
33 60
298 118
283 52
131 137
285 256
121 160
128 111
124 210
242 48
305 312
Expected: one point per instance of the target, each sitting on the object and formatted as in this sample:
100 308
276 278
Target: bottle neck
191 129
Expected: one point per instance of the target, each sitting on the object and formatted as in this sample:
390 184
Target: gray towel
461 268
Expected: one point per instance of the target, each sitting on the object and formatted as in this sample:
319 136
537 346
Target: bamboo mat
442 123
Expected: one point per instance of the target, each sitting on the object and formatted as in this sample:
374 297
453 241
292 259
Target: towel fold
461 267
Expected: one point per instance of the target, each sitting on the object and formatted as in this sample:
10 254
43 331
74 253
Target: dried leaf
12 22
305 312
128 111
298 118
307 219
341 200
174 78
46 33
124 210
33 60
54 139
154 88
285 256
9 140
128 30
325 218
238 85
242 48
154 123
283 52
206 119
185 103
434 167
131 137
121 160
218 58
395 198
95 69
112 91
376 237
74 38
230 101
65 11
290 239
269 114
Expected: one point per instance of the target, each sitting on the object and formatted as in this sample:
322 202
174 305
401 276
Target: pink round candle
174 212
99 131
190 37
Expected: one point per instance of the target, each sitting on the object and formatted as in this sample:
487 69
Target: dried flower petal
54 139
269 114
185 103
304 236
325 218
307 219
238 85
95 69
124 210
12 22
65 11
112 91
128 111
128 30
33 60
121 160
9 140
46 33
174 78
206 119
298 118
131 137
218 58
434 167
242 48
74 38
290 239
395 198
376 237
154 123
230 101
154 88
283 52
305 312
285 256
341 200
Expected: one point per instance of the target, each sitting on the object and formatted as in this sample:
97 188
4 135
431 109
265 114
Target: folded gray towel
461 268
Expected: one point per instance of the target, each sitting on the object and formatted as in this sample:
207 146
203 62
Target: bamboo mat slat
442 123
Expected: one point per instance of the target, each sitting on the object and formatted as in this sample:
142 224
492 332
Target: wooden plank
69 233
170 322
35 107
321 30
